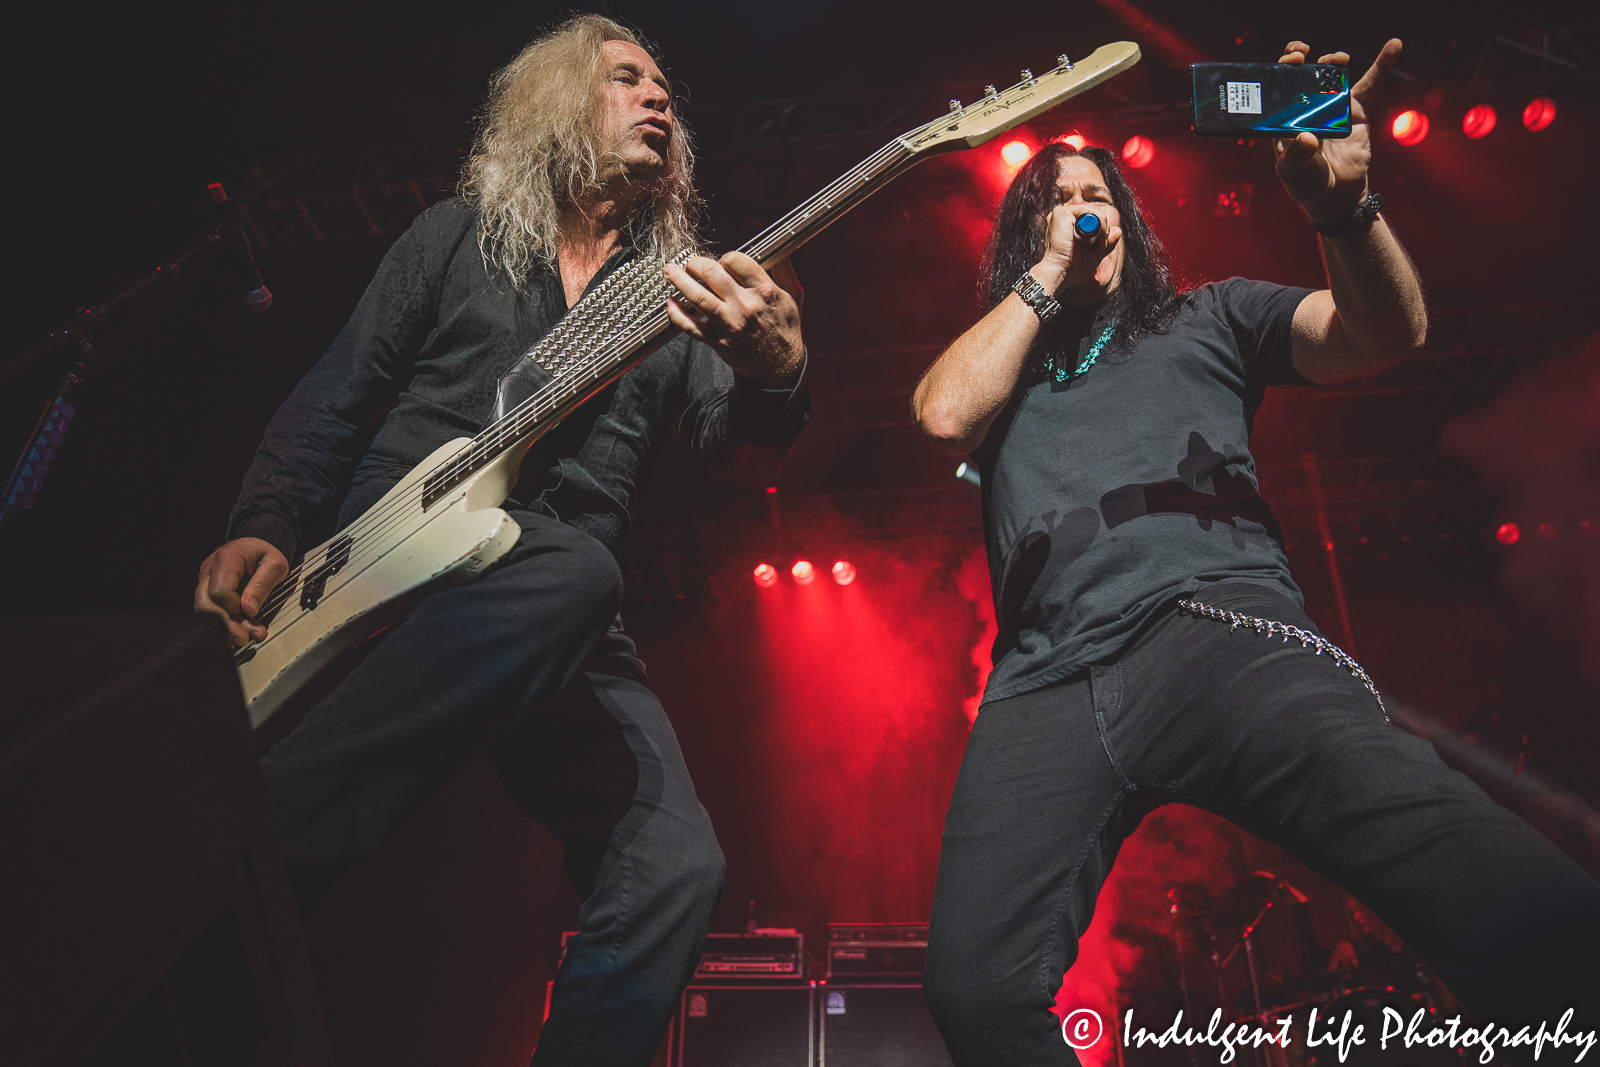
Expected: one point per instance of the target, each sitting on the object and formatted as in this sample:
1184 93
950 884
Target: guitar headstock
970 125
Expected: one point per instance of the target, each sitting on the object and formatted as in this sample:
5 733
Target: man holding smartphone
1152 644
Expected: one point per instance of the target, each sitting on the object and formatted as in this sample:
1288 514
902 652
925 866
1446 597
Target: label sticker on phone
1244 98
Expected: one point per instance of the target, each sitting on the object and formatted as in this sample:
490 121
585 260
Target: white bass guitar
443 522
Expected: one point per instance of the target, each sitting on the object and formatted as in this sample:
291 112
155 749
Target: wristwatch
1044 305
1359 219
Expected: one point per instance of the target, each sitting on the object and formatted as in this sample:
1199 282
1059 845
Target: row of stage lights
804 572
843 572
1509 533
1409 127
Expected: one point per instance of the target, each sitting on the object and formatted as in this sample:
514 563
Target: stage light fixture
844 572
804 573
1540 113
766 575
1479 121
967 473
1508 534
1075 139
1016 153
1410 127
1138 152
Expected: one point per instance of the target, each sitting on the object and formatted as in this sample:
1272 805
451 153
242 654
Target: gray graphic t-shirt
1107 497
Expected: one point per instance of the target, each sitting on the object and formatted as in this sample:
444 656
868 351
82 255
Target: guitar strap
574 347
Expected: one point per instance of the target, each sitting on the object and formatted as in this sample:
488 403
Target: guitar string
518 422
790 222
374 521
502 431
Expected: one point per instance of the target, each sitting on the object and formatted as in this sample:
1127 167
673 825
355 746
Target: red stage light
772 489
1540 112
1508 534
766 575
1075 139
1548 531
844 572
803 571
1410 127
1016 153
1479 121
1138 152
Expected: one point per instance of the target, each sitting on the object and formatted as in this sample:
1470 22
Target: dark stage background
824 725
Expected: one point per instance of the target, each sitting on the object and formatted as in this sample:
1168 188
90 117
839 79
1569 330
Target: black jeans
1287 745
499 666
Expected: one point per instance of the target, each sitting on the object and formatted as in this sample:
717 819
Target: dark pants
1287 745
498 666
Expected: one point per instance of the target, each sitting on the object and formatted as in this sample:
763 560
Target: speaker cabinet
862 1025
745 1025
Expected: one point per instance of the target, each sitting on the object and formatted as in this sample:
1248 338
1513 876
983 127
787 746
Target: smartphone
1280 99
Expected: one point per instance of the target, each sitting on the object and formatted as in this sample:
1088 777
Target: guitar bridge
317 581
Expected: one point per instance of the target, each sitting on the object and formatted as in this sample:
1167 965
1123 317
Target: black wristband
1359 219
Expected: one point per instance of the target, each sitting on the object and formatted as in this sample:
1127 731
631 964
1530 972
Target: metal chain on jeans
1306 638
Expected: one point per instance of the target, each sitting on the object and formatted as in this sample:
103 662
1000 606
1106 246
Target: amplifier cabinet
745 1025
864 1025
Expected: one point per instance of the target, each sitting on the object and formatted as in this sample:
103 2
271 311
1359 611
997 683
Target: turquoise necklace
1061 374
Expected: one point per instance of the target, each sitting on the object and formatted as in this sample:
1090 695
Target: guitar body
414 552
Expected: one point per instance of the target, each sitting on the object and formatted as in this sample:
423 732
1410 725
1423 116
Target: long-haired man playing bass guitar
579 166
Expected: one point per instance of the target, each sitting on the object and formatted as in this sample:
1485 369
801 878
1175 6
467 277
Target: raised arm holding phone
1152 643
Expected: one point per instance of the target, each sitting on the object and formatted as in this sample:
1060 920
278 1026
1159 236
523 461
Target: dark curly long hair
1145 300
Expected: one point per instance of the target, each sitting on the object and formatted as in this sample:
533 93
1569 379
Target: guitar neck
651 329
810 218
581 367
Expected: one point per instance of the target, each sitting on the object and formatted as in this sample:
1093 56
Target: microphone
258 298
1088 226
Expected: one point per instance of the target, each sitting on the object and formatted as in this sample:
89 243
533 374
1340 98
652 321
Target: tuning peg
955 106
1063 62
1027 76
990 92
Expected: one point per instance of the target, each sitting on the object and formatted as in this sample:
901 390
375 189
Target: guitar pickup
316 582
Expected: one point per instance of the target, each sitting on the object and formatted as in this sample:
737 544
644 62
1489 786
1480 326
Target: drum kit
1369 981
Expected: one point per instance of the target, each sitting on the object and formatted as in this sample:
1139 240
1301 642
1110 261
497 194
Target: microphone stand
1247 943
28 475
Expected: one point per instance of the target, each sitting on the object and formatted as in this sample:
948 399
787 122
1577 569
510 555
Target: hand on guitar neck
234 583
749 317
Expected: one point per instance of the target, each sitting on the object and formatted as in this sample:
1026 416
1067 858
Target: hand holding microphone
1082 253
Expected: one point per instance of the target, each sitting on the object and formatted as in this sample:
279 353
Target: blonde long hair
537 152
